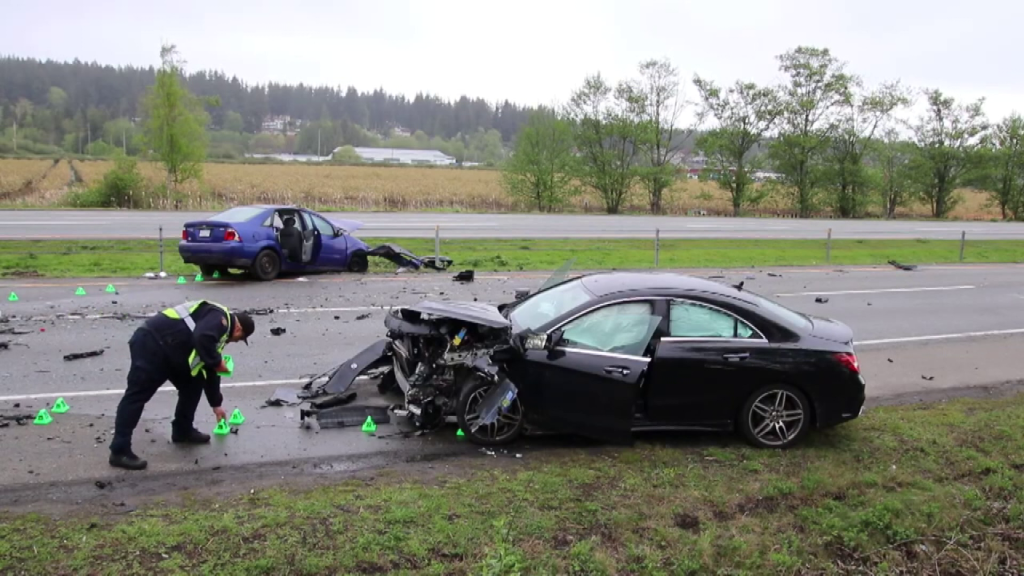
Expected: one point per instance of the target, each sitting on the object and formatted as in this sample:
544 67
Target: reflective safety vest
184 312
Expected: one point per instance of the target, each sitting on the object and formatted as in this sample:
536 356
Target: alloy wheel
776 417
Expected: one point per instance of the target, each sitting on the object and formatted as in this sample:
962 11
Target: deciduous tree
948 136
1002 166
543 164
817 87
175 123
744 114
605 137
894 158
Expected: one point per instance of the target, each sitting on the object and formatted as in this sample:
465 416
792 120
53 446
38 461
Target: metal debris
278 330
80 355
101 484
259 311
907 267
821 300
284 397
464 276
363 316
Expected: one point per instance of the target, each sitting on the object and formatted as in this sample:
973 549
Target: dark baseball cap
248 326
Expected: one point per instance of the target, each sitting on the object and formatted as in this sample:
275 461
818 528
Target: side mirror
553 340
338 232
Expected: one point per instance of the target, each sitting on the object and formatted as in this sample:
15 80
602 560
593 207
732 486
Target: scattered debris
101 484
259 311
464 276
5 345
234 430
277 331
363 316
284 397
14 331
928 378
821 300
890 360
337 317
80 355
341 416
739 286
774 275
902 266
334 400
716 277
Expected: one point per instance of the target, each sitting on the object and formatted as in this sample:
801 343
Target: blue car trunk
205 232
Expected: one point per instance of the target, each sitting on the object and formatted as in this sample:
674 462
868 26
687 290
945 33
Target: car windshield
548 305
791 316
239 214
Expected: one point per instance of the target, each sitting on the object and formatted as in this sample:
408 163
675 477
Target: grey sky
536 52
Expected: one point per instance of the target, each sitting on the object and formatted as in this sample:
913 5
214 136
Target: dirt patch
688 522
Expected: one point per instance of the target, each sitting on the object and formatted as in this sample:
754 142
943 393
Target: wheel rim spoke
776 417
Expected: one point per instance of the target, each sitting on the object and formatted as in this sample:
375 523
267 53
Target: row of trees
70 105
826 140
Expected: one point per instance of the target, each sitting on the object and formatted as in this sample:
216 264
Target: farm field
42 183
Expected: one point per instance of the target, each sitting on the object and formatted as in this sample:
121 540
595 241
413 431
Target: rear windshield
794 318
240 214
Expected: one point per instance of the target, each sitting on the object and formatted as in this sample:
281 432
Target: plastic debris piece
80 355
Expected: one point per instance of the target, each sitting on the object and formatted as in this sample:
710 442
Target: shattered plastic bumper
406 259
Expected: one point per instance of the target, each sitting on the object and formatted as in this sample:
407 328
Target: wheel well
810 399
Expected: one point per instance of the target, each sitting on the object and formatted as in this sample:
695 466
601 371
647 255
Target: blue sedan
269 240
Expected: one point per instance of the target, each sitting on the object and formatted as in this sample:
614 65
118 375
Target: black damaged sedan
609 354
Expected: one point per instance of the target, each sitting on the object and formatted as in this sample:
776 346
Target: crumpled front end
406 259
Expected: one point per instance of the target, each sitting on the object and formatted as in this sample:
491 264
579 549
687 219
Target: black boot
192 437
128 461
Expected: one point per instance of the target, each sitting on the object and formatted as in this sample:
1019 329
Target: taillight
231 236
849 360
184 234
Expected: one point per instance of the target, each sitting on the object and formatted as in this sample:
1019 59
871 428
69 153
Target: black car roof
603 284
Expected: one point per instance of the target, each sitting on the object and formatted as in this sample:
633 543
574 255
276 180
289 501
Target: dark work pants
150 369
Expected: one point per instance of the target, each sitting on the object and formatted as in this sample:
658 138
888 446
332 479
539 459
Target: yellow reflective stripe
184 312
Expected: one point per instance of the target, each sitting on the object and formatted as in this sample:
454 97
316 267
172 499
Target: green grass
131 258
915 489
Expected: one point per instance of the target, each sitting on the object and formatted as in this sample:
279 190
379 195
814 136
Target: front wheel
266 266
775 416
506 429
358 262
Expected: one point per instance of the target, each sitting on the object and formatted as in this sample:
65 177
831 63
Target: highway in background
88 224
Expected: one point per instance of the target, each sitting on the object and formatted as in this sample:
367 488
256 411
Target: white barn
404 156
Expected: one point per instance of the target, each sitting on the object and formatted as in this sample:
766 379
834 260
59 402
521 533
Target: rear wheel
776 416
358 262
507 428
266 266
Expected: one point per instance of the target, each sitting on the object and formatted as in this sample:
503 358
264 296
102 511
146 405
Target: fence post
161 247
963 240
437 241
657 246
828 247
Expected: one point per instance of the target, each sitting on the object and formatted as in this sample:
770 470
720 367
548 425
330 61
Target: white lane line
940 337
880 290
348 309
166 388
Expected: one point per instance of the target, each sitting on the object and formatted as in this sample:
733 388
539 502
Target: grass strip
115 258
912 489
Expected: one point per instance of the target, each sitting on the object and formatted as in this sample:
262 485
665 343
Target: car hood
475 312
349 226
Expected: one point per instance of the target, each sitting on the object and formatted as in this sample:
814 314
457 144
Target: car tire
358 263
266 266
472 392
760 410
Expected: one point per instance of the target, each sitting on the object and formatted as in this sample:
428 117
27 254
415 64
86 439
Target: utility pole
318 143
124 144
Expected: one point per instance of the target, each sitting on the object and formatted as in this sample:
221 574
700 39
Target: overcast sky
536 52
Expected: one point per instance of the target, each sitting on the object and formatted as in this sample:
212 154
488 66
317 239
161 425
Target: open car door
587 378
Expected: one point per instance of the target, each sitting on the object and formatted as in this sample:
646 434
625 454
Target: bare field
367 188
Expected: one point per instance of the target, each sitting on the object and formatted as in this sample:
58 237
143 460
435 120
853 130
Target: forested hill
100 91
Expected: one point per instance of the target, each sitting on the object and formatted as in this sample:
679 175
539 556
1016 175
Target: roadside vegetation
116 258
921 489
818 143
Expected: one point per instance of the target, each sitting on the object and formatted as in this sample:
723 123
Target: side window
323 226
307 220
620 328
274 220
692 320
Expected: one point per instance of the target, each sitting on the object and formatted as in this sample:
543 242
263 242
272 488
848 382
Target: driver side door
310 240
587 380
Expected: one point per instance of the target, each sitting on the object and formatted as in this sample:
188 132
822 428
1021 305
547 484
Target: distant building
276 124
404 156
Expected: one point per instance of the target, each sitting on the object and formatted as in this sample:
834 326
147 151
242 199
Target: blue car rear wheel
266 266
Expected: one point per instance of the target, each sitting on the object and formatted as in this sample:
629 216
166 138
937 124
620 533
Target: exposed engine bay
435 357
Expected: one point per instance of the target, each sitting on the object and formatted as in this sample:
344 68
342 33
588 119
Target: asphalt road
927 330
18 224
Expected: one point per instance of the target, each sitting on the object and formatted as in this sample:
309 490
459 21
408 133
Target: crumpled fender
406 259
348 371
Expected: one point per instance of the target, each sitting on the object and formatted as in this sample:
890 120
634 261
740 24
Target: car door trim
603 354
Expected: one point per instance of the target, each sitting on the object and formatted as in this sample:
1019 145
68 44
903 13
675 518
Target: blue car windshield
239 214
545 306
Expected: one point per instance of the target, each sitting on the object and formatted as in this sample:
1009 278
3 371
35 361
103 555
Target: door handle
620 370
736 357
